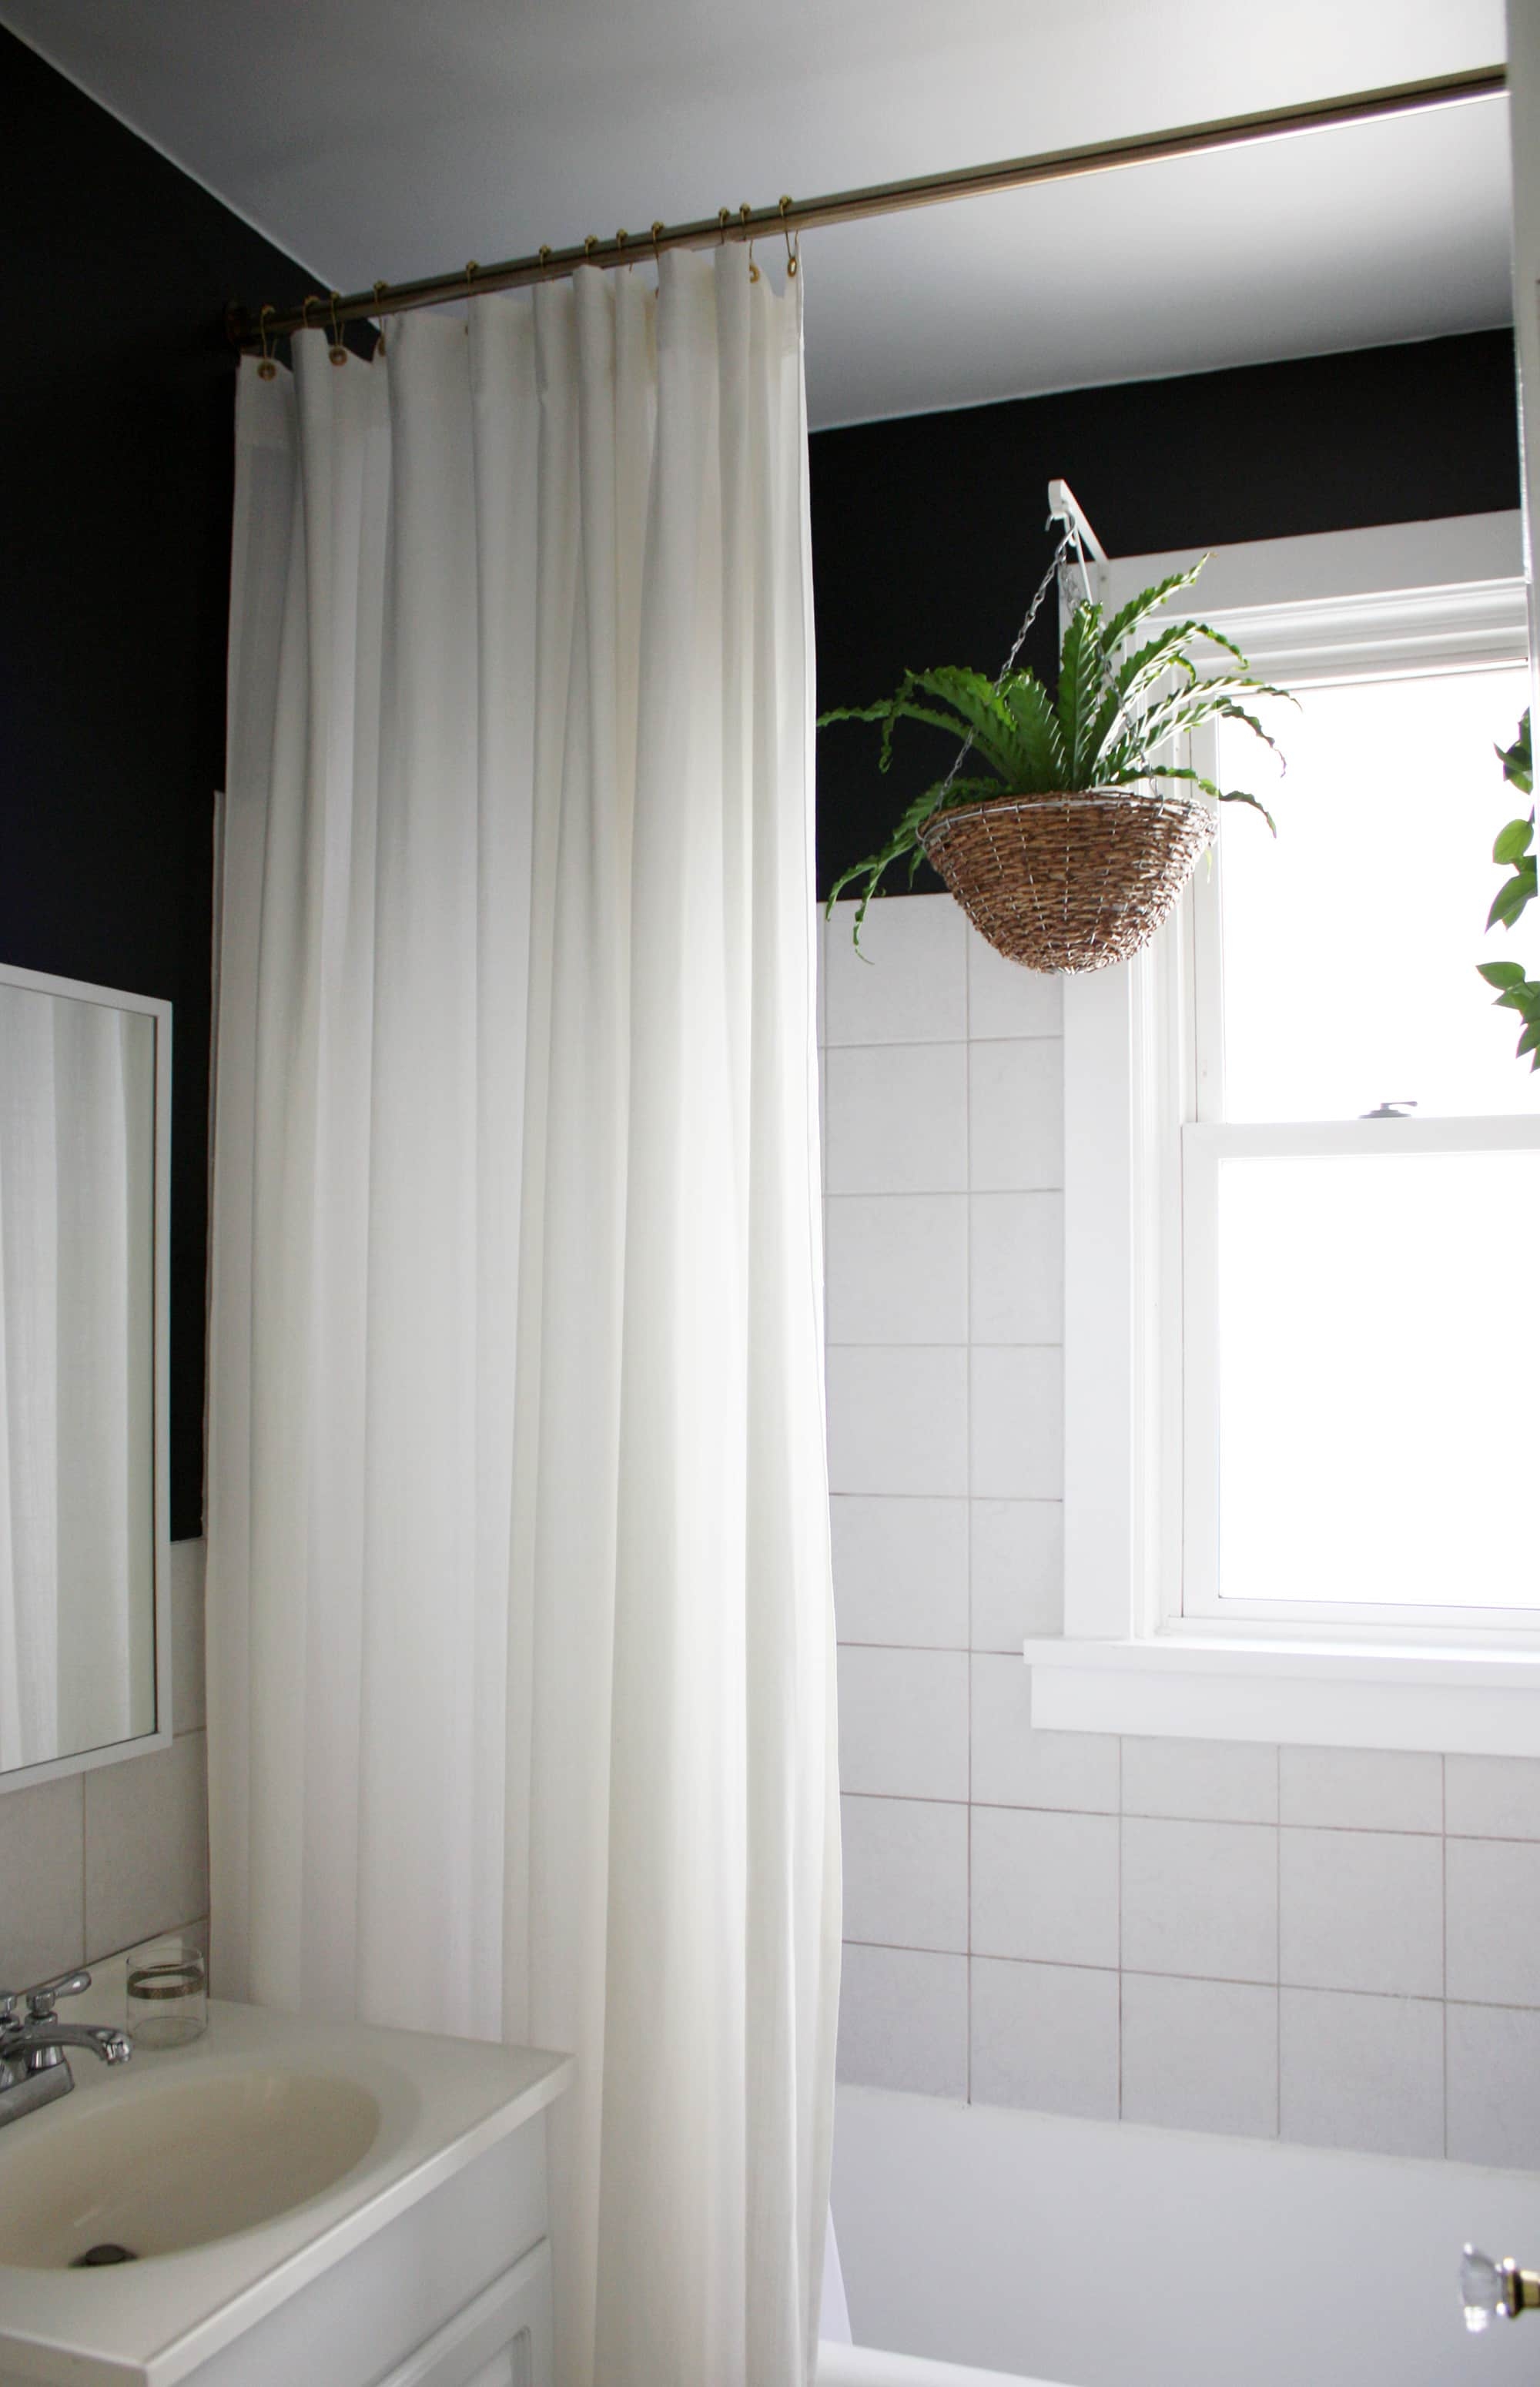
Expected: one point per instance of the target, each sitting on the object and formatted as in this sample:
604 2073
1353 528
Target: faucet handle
42 2000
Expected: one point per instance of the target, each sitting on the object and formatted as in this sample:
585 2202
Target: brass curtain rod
793 215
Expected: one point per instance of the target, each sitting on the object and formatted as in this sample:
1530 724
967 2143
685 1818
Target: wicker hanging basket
1069 882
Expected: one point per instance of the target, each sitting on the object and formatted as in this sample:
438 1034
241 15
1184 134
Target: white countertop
443 2103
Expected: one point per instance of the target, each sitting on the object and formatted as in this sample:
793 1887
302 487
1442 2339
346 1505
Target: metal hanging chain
1068 543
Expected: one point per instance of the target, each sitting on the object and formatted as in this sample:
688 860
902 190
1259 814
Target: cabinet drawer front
501 2340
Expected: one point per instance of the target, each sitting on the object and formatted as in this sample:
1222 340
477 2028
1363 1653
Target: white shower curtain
519 1617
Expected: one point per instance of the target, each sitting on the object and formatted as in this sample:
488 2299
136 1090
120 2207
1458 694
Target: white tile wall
1045 1886
1361 1910
898 1419
1016 1425
1006 1001
1014 1766
42 1881
1016 1116
904 2020
1493 1798
1200 1899
901 1571
1016 1570
1200 2055
1200 1781
97 1862
1494 1921
147 1844
908 983
1363 2072
1361 1789
1493 2085
874 1241
1203 1936
904 1722
1045 2035
1016 1268
907 1872
897 1119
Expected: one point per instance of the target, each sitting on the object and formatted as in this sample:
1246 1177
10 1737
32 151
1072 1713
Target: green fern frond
1118 705
1140 608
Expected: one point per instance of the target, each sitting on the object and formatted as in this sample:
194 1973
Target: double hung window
1303 1182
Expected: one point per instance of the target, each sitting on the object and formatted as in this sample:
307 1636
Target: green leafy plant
1514 849
1121 698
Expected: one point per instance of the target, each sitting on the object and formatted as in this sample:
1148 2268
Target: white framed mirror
84 1252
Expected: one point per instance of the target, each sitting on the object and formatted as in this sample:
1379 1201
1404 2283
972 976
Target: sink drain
96 2258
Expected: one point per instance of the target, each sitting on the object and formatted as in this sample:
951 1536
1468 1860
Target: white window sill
1464 1702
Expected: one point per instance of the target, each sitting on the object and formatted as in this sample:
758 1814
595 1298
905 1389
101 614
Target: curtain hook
267 370
471 270
745 211
545 252
380 289
621 238
590 244
724 217
337 353
793 254
657 252
311 298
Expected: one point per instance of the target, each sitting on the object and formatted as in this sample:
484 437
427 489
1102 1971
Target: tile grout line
85 1881
1278 1998
1120 1926
1138 1815
1444 1936
1398 1998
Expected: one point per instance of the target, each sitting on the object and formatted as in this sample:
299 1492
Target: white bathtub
860 2366
1036 2247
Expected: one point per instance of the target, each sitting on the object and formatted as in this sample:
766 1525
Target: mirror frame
85 1761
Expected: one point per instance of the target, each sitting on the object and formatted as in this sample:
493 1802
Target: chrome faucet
33 2067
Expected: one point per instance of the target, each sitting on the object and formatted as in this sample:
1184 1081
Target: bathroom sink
181 2164
304 2200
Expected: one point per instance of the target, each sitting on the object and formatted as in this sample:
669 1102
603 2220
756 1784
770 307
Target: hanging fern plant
1122 699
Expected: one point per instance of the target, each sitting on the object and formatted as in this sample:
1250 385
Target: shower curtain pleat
518 1614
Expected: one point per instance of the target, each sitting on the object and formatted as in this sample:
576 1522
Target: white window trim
1122 1664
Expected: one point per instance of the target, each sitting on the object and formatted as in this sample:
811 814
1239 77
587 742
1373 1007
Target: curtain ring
793 254
267 370
380 289
337 353
745 211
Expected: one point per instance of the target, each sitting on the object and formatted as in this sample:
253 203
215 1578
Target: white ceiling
391 138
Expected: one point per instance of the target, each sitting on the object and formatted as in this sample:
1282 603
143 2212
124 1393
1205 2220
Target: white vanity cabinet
309 2206
455 2293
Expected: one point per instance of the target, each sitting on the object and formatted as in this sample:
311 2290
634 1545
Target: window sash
1199 1597
1143 1076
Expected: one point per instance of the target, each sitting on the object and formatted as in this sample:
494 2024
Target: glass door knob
1488 2289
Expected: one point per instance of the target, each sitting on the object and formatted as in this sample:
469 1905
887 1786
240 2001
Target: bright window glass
1376 1362
1350 943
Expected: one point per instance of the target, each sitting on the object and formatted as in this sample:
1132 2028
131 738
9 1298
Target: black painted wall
928 538
116 395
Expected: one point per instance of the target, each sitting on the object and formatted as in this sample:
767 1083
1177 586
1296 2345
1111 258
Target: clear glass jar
167 1993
